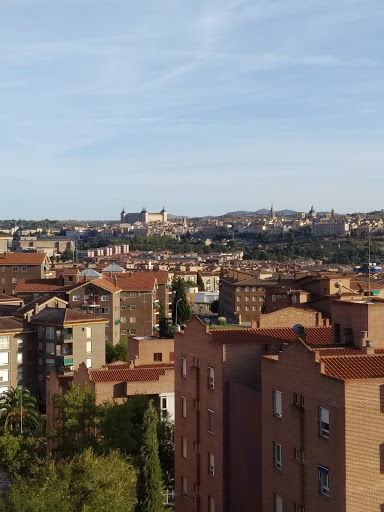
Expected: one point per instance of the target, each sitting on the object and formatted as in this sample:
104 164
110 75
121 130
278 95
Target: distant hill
263 211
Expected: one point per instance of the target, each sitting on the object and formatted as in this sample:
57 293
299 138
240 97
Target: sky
203 106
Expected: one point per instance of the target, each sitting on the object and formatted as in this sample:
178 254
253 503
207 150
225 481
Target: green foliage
18 406
20 454
86 483
184 312
149 482
116 352
164 328
200 282
66 255
222 320
166 437
78 420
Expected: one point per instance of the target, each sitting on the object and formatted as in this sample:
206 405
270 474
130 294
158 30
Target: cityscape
191 256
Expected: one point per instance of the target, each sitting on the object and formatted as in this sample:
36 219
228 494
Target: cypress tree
149 482
184 312
200 283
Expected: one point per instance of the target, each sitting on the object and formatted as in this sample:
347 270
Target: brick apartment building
218 413
323 425
15 266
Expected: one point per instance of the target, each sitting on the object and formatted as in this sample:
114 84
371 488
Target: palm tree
18 411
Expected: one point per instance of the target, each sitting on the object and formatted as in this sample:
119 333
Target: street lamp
177 302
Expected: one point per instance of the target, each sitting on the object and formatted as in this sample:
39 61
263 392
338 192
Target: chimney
363 339
36 308
131 364
368 348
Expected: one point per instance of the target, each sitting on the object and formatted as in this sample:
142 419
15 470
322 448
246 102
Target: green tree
18 411
200 282
116 352
215 306
164 328
78 419
184 312
66 255
87 483
149 482
166 437
20 454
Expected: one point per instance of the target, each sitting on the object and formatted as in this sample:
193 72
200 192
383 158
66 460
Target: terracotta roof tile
251 336
11 323
126 375
63 316
41 285
354 367
135 281
318 336
23 258
104 282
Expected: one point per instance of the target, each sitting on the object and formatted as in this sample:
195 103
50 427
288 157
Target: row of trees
109 456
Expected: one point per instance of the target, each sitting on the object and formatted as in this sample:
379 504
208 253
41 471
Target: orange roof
252 336
127 375
135 281
354 367
318 336
41 285
23 258
103 282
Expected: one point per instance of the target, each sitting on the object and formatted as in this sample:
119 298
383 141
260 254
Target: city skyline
207 107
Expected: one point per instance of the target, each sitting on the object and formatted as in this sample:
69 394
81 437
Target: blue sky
205 106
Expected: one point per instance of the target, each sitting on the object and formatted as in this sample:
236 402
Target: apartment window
184 447
324 422
254 308
211 464
247 308
49 348
89 347
132 307
4 375
184 486
4 342
183 407
247 298
123 332
19 358
277 456
157 356
49 365
15 269
50 332
15 280
132 319
277 411
132 331
247 288
298 508
211 504
3 279
323 473
238 308
211 377
253 288
273 298
123 319
238 289
132 294
299 455
211 421
88 332
254 298
75 298
123 306
3 269
20 374
298 399
89 362
104 311
183 367
238 298
23 268
104 298
106 337
3 389
277 503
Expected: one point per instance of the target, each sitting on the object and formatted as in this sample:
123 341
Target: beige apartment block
15 266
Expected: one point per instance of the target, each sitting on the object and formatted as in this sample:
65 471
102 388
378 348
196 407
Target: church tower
122 215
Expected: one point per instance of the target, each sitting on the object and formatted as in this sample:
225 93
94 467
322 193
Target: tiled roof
63 316
9 298
41 285
124 365
31 305
126 375
11 323
68 271
23 258
340 351
104 283
354 367
318 336
251 336
8 309
135 281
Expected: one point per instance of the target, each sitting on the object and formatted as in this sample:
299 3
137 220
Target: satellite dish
298 329
338 284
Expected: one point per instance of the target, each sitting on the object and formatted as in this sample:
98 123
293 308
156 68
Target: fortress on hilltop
143 216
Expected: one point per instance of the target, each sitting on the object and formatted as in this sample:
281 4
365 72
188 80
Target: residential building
15 266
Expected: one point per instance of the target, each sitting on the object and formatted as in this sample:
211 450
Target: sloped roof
23 258
135 281
252 336
354 366
318 336
64 316
31 305
89 272
41 285
127 375
11 323
102 281
113 268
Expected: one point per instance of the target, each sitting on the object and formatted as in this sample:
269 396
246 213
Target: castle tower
165 215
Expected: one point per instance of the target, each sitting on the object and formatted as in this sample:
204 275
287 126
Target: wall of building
146 348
